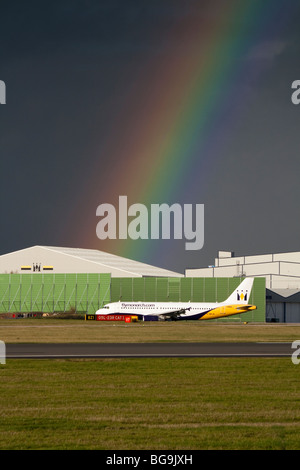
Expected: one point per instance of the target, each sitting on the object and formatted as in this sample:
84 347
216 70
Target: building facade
280 270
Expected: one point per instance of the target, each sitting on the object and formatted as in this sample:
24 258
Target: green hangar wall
189 289
86 293
82 293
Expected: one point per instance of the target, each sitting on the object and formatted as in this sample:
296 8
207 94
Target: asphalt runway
150 350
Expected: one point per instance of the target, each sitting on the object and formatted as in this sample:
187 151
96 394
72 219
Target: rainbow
182 110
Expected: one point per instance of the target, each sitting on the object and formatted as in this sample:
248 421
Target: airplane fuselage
184 310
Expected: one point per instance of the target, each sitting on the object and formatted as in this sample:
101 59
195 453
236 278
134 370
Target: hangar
55 279
49 259
280 270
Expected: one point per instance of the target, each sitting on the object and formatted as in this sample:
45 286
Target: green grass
63 331
161 404
156 404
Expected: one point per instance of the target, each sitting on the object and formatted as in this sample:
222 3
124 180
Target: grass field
137 404
150 404
62 331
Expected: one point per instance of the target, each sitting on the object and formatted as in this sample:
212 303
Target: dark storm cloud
68 64
40 27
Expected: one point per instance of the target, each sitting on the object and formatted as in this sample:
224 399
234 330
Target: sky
163 102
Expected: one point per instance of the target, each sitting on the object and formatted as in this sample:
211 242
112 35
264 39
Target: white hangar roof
77 260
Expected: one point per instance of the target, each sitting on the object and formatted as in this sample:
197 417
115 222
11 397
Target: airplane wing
173 314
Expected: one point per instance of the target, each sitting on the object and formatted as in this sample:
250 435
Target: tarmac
149 350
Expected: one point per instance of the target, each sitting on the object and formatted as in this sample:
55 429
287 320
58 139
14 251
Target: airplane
236 304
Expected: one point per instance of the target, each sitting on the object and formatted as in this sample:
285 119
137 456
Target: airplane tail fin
242 293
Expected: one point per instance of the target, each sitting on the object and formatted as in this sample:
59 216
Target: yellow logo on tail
242 296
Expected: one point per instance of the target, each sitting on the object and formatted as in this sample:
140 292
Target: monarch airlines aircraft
236 304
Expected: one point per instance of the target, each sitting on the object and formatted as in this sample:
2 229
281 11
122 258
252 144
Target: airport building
49 259
53 279
280 270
